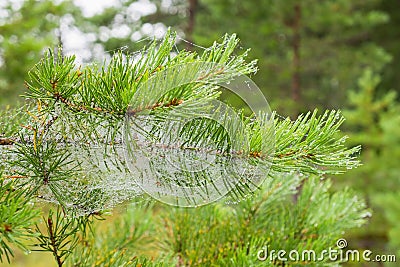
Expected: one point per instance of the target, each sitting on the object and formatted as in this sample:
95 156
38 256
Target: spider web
106 176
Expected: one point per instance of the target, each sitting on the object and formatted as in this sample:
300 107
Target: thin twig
174 102
15 177
6 141
53 242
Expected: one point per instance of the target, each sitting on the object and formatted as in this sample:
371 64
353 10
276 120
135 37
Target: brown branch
6 142
15 177
307 155
53 242
171 103
159 68
251 154
48 124
46 174
75 107
63 100
221 70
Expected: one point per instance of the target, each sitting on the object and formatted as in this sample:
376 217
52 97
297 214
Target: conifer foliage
93 137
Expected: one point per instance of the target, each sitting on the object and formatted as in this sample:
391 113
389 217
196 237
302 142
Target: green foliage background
349 60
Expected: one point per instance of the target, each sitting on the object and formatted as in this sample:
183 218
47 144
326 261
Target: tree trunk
296 89
191 23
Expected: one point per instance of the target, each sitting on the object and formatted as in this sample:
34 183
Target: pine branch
311 145
17 217
53 241
168 103
61 235
97 136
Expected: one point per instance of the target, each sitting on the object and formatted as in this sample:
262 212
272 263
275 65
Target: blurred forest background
334 54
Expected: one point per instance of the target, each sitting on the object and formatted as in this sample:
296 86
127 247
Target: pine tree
373 121
143 125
